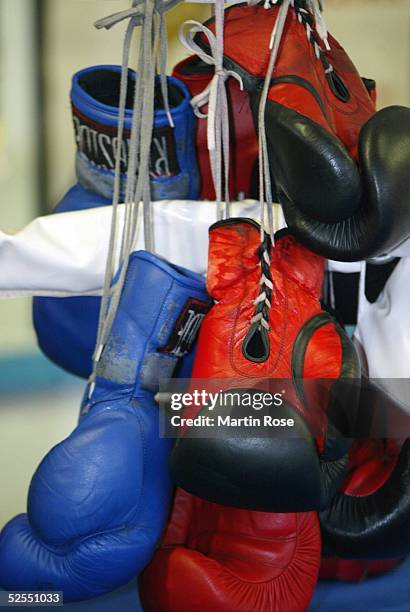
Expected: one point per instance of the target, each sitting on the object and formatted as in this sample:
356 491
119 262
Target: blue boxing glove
99 500
66 328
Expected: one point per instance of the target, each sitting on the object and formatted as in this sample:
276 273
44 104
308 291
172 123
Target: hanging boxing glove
371 463
99 500
243 154
340 169
66 328
369 520
268 324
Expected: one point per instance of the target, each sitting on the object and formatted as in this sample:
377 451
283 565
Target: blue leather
66 328
99 500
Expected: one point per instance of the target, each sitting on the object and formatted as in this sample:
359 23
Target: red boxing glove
222 559
343 190
268 324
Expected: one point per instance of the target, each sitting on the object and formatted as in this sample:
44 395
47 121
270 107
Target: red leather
247 29
243 152
247 32
371 462
222 559
268 326
354 570
233 280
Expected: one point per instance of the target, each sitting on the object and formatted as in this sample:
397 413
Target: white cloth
65 254
383 330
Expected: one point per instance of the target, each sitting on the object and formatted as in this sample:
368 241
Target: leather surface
216 558
369 518
300 84
66 328
99 500
371 515
371 463
340 169
305 471
243 154
381 224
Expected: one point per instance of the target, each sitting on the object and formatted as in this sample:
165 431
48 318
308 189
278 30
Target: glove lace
149 15
263 301
309 14
215 96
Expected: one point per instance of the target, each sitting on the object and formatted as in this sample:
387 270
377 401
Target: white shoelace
214 95
149 15
265 186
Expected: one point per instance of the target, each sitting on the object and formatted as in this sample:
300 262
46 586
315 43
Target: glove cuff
95 96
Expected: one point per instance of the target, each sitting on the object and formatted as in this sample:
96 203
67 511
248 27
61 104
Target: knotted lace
263 301
316 31
214 95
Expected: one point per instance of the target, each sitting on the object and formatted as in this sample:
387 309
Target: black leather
310 169
376 526
281 473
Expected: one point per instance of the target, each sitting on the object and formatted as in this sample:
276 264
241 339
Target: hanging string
265 185
316 7
215 96
149 16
